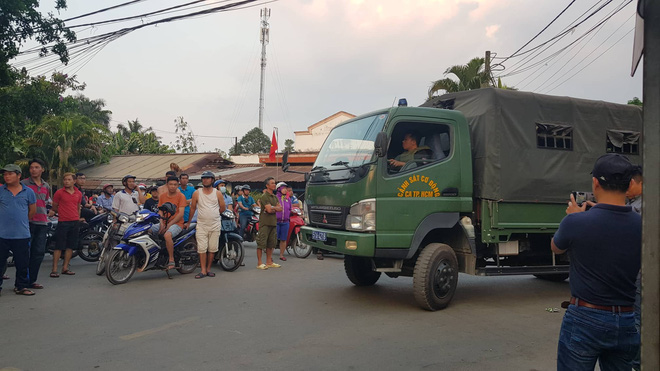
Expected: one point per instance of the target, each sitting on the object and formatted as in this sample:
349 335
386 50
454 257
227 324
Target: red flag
273 148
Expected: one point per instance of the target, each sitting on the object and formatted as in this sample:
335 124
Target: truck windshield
350 145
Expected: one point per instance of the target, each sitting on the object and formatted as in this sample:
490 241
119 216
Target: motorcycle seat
185 231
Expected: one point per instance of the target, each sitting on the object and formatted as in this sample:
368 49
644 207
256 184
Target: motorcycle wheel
300 250
188 257
120 267
91 244
231 256
253 234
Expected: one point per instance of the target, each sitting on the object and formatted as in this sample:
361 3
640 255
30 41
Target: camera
582 197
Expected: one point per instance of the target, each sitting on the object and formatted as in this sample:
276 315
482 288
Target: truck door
411 186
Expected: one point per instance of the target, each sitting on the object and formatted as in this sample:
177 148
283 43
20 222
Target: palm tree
470 76
66 140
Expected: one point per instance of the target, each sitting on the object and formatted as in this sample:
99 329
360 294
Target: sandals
262 266
54 275
171 265
273 265
200 275
210 274
282 258
68 272
36 286
25 292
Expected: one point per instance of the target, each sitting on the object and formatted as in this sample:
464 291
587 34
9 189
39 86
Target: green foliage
254 141
636 102
185 141
25 102
470 76
19 22
64 141
92 108
288 145
133 138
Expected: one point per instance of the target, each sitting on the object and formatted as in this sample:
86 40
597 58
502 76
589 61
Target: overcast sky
326 56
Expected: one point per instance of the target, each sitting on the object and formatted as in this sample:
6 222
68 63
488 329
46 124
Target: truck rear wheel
359 271
435 276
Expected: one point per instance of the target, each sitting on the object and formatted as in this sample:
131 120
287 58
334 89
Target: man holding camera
604 247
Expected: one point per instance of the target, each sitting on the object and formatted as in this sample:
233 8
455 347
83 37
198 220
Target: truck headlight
305 213
362 216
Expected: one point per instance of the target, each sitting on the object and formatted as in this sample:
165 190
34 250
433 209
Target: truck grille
327 216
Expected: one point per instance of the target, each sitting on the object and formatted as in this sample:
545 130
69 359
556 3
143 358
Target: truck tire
359 271
435 276
561 277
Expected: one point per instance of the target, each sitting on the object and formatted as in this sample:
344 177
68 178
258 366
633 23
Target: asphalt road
303 316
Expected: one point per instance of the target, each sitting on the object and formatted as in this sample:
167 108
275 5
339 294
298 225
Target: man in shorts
267 237
67 203
173 226
209 203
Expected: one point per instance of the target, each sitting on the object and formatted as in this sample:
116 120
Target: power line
595 59
103 10
540 32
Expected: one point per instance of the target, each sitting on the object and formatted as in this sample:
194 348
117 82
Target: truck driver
411 147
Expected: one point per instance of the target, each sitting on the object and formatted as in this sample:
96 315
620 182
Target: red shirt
68 205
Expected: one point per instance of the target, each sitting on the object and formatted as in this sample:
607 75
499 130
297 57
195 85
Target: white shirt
126 203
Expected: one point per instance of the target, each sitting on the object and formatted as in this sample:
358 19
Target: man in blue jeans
39 222
604 247
18 204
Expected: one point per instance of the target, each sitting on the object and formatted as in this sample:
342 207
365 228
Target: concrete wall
312 139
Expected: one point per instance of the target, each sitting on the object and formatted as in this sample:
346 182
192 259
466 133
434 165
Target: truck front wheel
435 276
359 271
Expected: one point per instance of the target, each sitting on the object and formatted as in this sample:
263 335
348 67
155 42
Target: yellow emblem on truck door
404 192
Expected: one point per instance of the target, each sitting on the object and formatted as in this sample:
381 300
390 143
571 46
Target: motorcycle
230 255
112 237
252 228
91 237
293 242
139 250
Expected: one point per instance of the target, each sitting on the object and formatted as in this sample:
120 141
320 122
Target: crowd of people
26 206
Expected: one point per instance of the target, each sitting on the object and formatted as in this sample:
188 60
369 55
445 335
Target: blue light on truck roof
403 102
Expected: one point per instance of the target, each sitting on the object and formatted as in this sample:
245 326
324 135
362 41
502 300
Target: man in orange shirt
172 226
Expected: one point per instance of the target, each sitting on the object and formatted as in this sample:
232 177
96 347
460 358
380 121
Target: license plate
319 236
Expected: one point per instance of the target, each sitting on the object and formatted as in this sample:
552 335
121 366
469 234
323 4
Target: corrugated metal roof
260 174
149 168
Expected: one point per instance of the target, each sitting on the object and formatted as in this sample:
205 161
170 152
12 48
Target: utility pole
264 37
651 200
487 71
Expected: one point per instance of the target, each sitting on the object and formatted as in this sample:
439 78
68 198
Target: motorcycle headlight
362 216
228 214
123 218
140 218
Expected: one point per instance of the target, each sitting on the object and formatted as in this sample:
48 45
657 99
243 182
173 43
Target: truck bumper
342 242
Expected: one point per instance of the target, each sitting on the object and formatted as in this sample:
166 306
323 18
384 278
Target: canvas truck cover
538 148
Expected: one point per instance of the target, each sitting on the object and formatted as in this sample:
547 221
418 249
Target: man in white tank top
208 203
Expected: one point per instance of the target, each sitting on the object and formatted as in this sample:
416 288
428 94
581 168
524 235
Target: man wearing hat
604 247
105 200
18 204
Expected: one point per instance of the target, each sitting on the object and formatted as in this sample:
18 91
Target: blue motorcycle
230 254
139 250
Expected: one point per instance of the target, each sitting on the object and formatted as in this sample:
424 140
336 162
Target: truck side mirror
285 163
380 145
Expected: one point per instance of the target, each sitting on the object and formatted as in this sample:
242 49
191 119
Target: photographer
604 247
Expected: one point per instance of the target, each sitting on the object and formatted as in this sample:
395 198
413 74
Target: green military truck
483 194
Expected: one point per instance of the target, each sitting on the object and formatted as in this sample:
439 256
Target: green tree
65 141
254 141
19 22
470 76
185 141
24 103
288 145
133 138
92 108
636 102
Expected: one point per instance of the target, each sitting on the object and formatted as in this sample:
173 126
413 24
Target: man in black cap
604 247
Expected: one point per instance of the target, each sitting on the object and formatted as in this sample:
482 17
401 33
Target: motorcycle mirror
380 145
285 162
